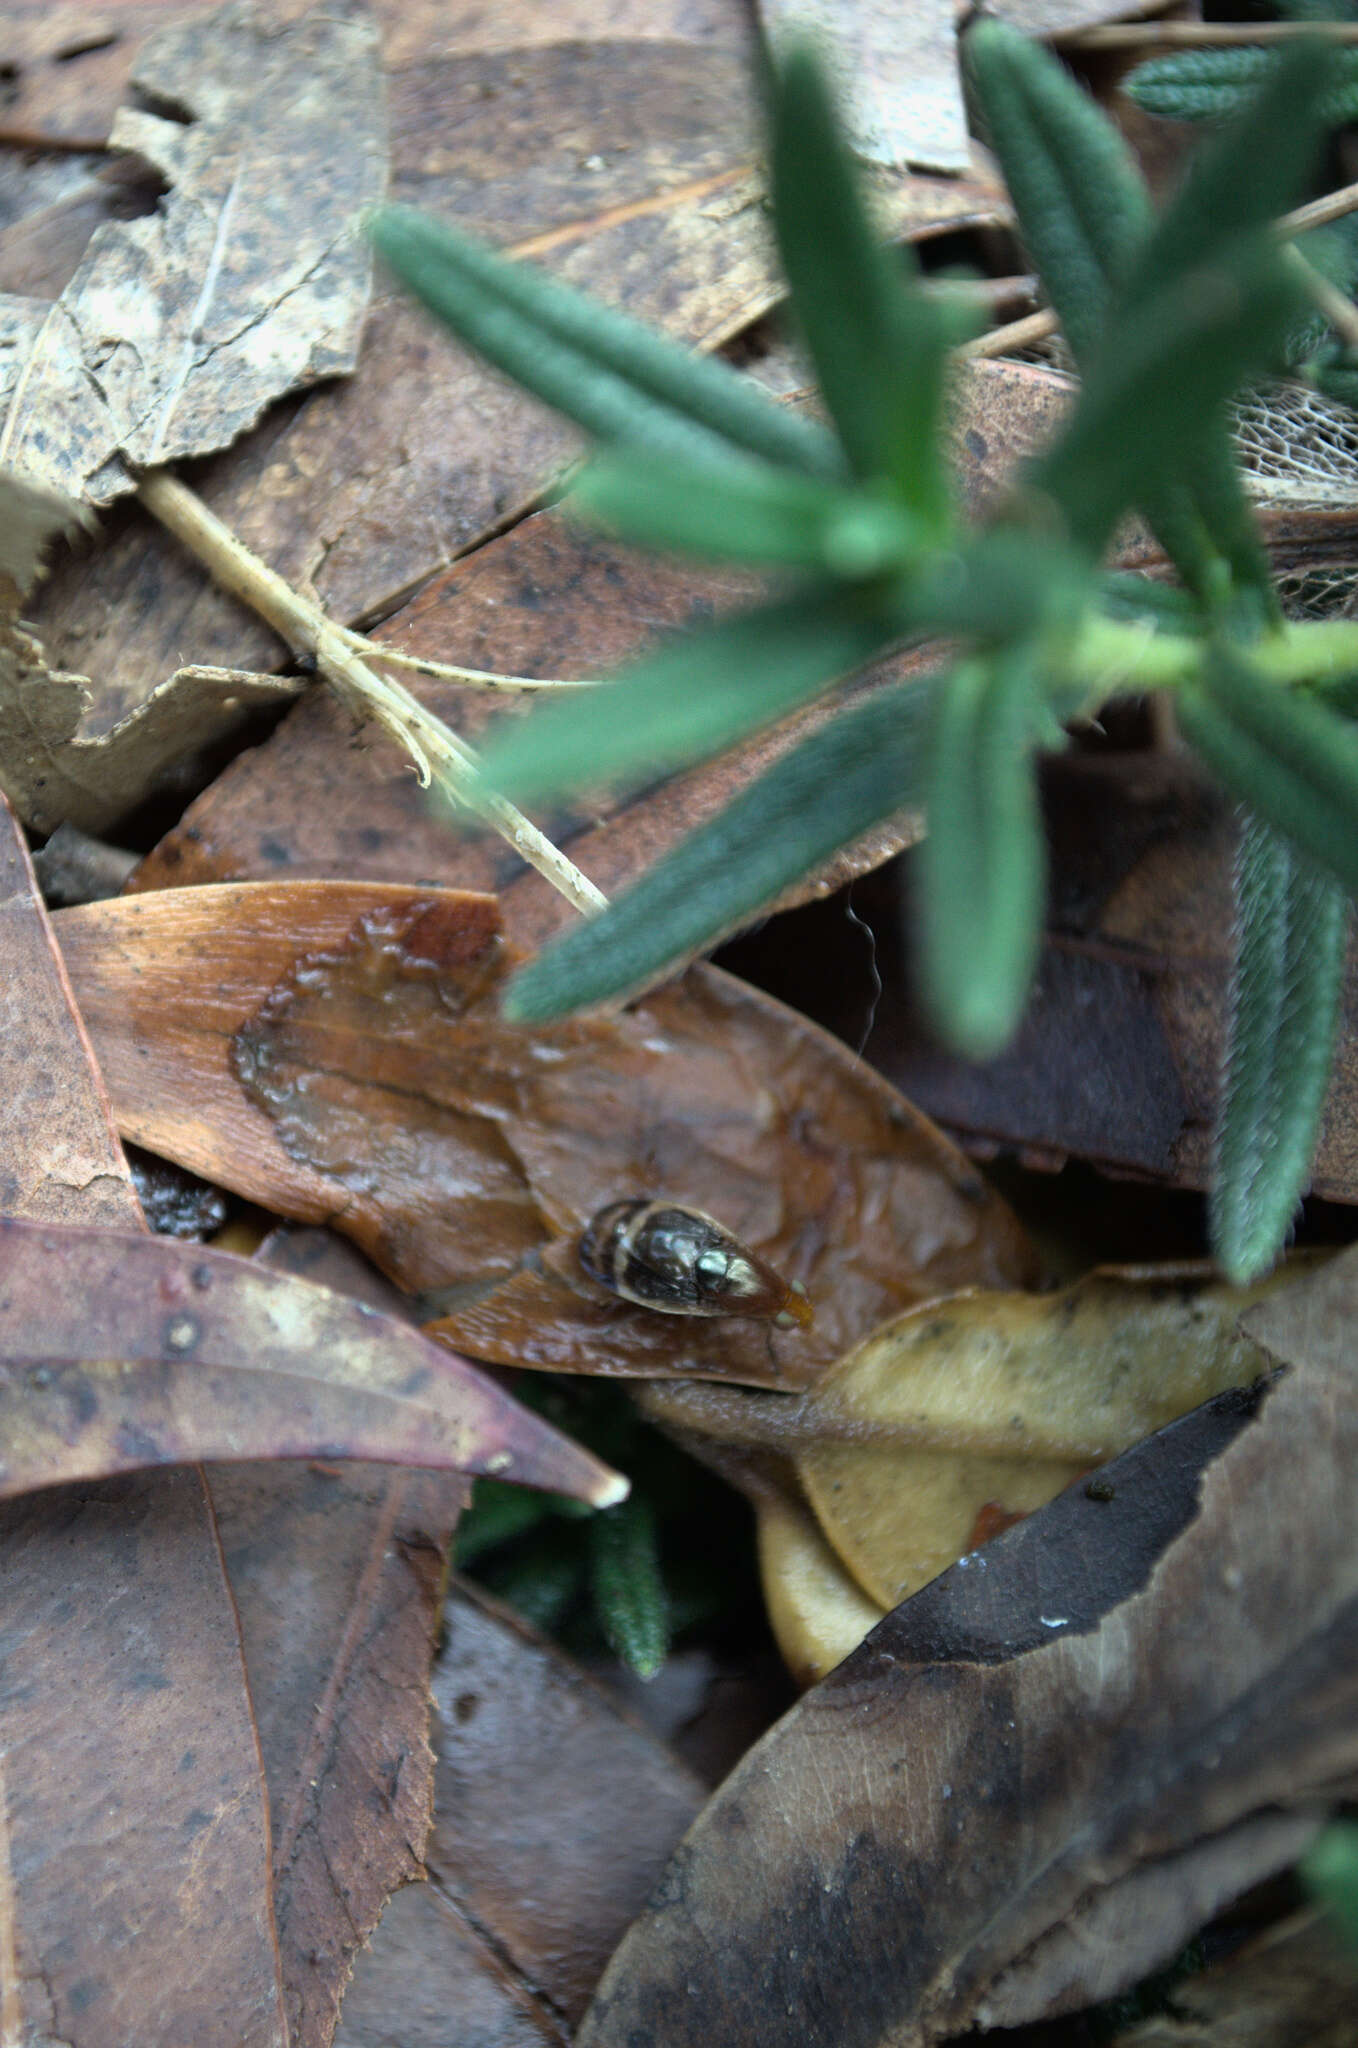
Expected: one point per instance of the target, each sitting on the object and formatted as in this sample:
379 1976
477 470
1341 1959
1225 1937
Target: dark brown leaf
1294 1986
543 1849
118 1626
337 1572
122 1350
1119 1055
1040 1774
336 1051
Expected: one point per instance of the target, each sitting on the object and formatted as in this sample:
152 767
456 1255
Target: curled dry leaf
117 1619
335 1050
123 1350
1038 1776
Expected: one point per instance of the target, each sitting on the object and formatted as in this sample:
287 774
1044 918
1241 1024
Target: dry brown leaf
896 71
123 1350
1043 1772
1294 1986
249 279
118 1620
542 1851
337 1573
1118 1059
336 1051
618 146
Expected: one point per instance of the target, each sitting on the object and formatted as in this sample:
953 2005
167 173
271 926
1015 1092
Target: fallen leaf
1293 1983
30 519
817 1612
544 1850
123 1350
250 278
1040 1774
896 70
337 1572
336 1051
617 147
117 1619
430 1967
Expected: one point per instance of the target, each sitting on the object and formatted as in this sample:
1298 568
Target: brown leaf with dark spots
337 1571
1038 1776
249 278
123 1350
336 1050
117 1620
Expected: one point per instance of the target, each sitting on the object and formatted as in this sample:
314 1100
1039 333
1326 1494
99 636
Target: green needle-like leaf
1330 1869
1213 85
611 375
690 699
835 785
629 1591
497 1514
878 342
1289 968
1293 760
1082 204
750 512
983 863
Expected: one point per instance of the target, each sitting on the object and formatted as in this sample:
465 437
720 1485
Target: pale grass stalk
439 755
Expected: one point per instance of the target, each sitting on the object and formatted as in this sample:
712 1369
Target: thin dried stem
453 672
439 755
1198 35
1017 334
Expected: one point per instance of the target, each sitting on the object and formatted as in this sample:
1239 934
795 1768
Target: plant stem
438 754
1108 656
1198 35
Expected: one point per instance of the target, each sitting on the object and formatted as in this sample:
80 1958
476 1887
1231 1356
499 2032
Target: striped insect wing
682 1262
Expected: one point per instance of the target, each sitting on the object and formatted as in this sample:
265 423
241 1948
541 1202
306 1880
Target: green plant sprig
1170 318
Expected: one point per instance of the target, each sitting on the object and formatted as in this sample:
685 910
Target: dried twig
439 755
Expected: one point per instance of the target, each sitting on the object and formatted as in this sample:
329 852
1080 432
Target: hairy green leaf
692 697
542 1578
835 785
878 342
611 375
1082 205
750 512
983 862
1290 938
1213 85
629 1591
1330 1869
1292 759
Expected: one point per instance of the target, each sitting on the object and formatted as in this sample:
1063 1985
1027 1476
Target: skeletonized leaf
249 278
124 1350
983 862
1289 968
